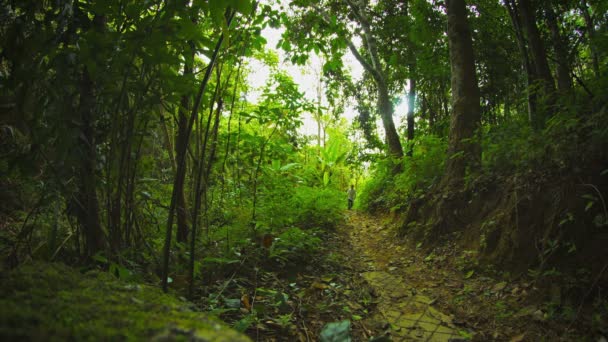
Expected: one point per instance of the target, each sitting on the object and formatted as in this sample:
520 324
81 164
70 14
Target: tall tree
182 134
464 149
337 23
525 59
87 198
541 65
374 67
564 81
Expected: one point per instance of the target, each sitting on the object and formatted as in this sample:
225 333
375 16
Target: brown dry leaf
246 302
267 240
518 338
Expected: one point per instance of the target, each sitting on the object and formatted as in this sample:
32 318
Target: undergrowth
385 191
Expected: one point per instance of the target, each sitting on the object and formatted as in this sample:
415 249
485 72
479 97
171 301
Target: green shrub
385 190
371 197
317 207
295 246
514 146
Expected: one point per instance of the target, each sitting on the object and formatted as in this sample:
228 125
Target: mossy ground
51 301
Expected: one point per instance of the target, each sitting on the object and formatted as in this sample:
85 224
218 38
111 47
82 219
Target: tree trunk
427 110
385 107
373 66
386 113
541 66
521 43
202 179
464 149
87 195
168 141
411 103
564 82
181 163
182 134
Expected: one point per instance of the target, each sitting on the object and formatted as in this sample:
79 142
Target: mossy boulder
43 301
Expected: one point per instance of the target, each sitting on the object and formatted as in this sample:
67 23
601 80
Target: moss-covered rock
44 301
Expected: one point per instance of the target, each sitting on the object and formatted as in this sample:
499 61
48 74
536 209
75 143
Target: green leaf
465 334
220 260
124 273
244 323
100 258
336 332
393 60
289 166
233 303
469 274
216 11
242 6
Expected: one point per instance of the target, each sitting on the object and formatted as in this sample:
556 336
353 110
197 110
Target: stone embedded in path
411 316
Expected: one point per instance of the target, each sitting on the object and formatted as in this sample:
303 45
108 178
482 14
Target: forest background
130 141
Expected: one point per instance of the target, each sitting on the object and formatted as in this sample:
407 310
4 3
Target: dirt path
443 294
408 313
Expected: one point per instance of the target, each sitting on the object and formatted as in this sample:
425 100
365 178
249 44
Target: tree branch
367 35
368 67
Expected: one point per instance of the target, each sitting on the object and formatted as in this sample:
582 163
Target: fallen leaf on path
318 285
518 338
499 287
327 279
538 316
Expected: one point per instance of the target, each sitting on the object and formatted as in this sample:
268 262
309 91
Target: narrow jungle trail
437 295
404 313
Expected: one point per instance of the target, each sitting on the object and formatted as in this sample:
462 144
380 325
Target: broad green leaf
289 166
336 332
100 258
233 303
244 7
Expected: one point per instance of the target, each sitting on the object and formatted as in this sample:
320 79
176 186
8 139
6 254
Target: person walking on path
351 196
